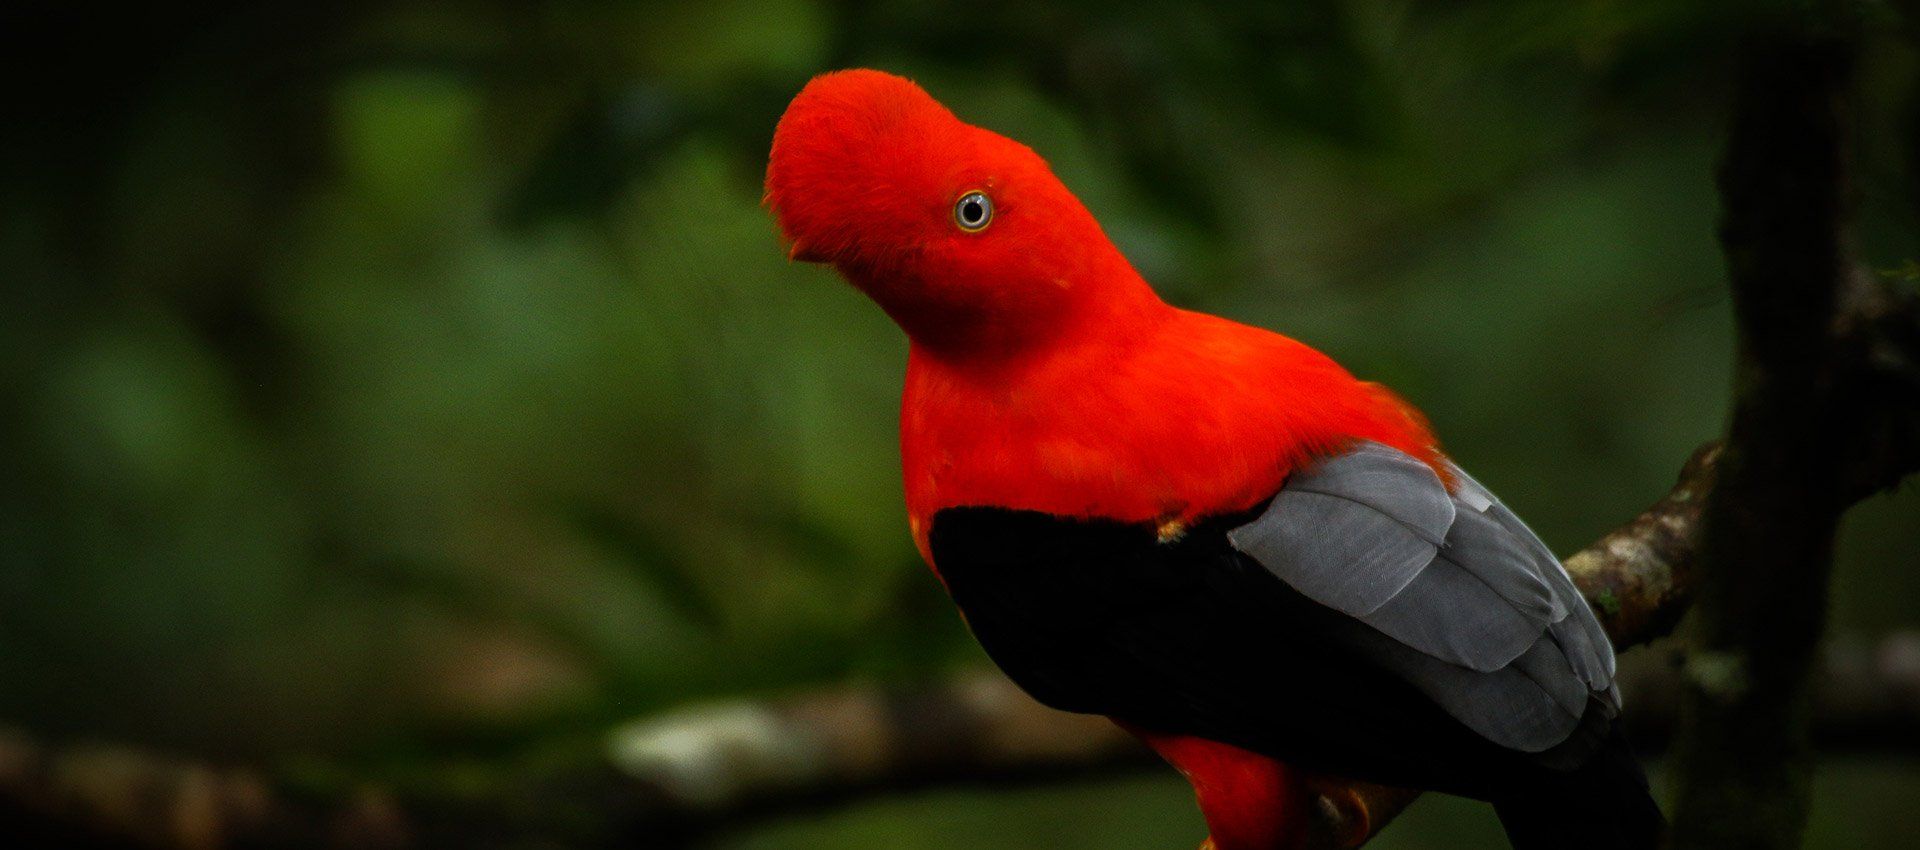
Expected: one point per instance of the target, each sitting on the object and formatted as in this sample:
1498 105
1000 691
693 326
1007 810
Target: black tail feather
1603 805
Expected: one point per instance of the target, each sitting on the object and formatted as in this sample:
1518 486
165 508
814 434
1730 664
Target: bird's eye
973 212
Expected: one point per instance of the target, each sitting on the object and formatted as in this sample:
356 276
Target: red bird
1209 532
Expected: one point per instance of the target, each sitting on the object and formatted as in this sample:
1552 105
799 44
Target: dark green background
385 383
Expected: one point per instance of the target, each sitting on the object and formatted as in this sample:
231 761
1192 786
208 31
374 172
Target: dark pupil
972 211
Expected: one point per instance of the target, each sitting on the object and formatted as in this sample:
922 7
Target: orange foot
1343 808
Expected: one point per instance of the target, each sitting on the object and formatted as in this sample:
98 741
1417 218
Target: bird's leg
1349 809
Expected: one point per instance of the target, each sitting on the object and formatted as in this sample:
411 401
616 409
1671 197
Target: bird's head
965 237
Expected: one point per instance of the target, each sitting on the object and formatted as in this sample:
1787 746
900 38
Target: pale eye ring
973 212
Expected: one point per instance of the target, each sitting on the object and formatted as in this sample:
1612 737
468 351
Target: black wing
1261 648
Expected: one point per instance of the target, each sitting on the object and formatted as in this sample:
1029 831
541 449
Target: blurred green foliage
401 380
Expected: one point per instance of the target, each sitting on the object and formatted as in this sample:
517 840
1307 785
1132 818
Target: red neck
1093 296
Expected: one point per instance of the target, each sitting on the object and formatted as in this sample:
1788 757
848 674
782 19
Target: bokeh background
384 383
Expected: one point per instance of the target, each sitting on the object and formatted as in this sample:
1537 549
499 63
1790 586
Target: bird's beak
804 253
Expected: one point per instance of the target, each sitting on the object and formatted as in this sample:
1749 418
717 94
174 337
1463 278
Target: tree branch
1744 763
667 780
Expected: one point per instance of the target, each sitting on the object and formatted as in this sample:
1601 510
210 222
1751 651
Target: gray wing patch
1507 706
1575 626
1358 528
1456 594
1480 545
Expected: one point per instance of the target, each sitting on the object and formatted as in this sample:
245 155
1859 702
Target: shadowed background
390 383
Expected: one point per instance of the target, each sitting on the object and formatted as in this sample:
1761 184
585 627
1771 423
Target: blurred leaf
653 558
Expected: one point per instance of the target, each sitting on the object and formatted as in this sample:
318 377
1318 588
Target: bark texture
1767 534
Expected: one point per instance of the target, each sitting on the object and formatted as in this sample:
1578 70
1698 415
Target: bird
1211 533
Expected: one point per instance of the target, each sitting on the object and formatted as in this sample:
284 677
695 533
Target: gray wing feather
1359 528
1450 590
1592 663
1595 659
1553 674
1480 631
1480 545
1507 706
1393 483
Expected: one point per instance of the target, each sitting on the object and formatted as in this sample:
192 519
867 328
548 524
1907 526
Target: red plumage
1045 374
